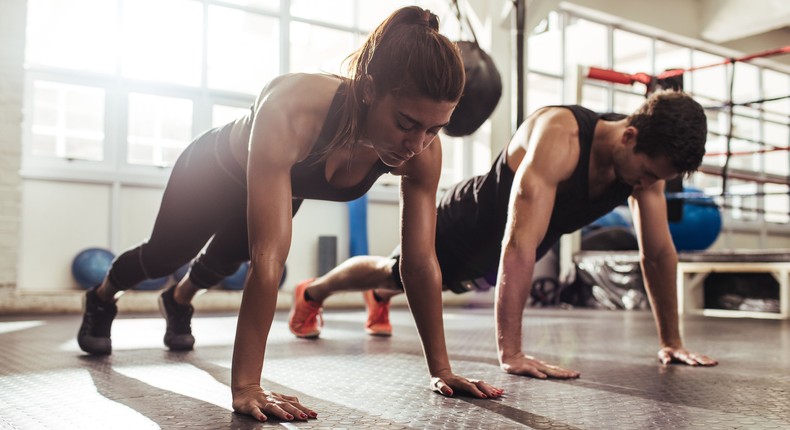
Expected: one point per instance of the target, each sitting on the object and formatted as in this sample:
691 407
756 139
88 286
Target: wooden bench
693 268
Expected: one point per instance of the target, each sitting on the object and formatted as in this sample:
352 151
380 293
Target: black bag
482 90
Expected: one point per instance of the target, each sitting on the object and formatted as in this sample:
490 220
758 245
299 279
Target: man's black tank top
472 215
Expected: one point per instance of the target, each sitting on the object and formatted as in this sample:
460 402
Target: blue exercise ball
182 271
152 284
236 280
615 218
90 266
700 225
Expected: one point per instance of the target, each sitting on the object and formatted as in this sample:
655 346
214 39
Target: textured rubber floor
356 381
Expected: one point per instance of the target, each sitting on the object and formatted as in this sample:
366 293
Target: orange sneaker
305 320
378 323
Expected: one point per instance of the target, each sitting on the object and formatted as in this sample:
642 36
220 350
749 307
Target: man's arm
550 153
659 267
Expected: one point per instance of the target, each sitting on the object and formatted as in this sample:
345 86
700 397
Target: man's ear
629 135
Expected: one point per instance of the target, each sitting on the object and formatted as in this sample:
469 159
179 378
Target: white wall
61 219
12 36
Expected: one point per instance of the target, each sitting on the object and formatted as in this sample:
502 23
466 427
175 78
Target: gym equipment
182 271
482 91
152 284
483 86
700 225
90 266
618 217
612 219
236 281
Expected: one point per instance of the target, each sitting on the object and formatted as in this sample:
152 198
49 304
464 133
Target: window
584 41
159 129
542 91
544 47
163 46
61 34
633 53
243 50
319 49
124 85
68 121
760 133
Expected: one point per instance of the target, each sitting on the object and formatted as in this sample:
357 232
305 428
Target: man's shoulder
561 115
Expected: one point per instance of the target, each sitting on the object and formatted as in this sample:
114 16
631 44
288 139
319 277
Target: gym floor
355 381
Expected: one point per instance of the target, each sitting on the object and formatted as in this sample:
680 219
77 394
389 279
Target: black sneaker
94 334
178 336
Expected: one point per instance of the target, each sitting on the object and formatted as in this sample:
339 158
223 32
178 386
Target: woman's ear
368 90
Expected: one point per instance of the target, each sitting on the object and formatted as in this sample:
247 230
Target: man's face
640 171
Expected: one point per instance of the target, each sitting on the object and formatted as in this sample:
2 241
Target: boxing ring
701 270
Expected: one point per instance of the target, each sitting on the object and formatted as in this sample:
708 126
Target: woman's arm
275 146
421 274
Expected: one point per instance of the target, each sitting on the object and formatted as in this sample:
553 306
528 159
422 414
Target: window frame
115 168
567 13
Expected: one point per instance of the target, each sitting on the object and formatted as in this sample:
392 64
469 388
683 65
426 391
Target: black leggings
205 199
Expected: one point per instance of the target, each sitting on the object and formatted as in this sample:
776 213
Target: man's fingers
702 360
534 372
668 355
558 372
706 361
689 359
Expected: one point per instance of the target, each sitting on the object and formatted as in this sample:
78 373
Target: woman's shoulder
301 91
294 107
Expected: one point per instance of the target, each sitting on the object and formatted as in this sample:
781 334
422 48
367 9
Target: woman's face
400 127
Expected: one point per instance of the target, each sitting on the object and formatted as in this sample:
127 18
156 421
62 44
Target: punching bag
483 86
481 93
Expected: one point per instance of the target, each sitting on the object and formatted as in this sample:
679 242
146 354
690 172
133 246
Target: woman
307 136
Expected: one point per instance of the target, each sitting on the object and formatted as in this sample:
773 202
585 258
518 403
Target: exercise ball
700 225
615 218
612 219
482 91
90 266
182 271
236 280
152 284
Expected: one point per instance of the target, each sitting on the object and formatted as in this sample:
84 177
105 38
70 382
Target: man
565 167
